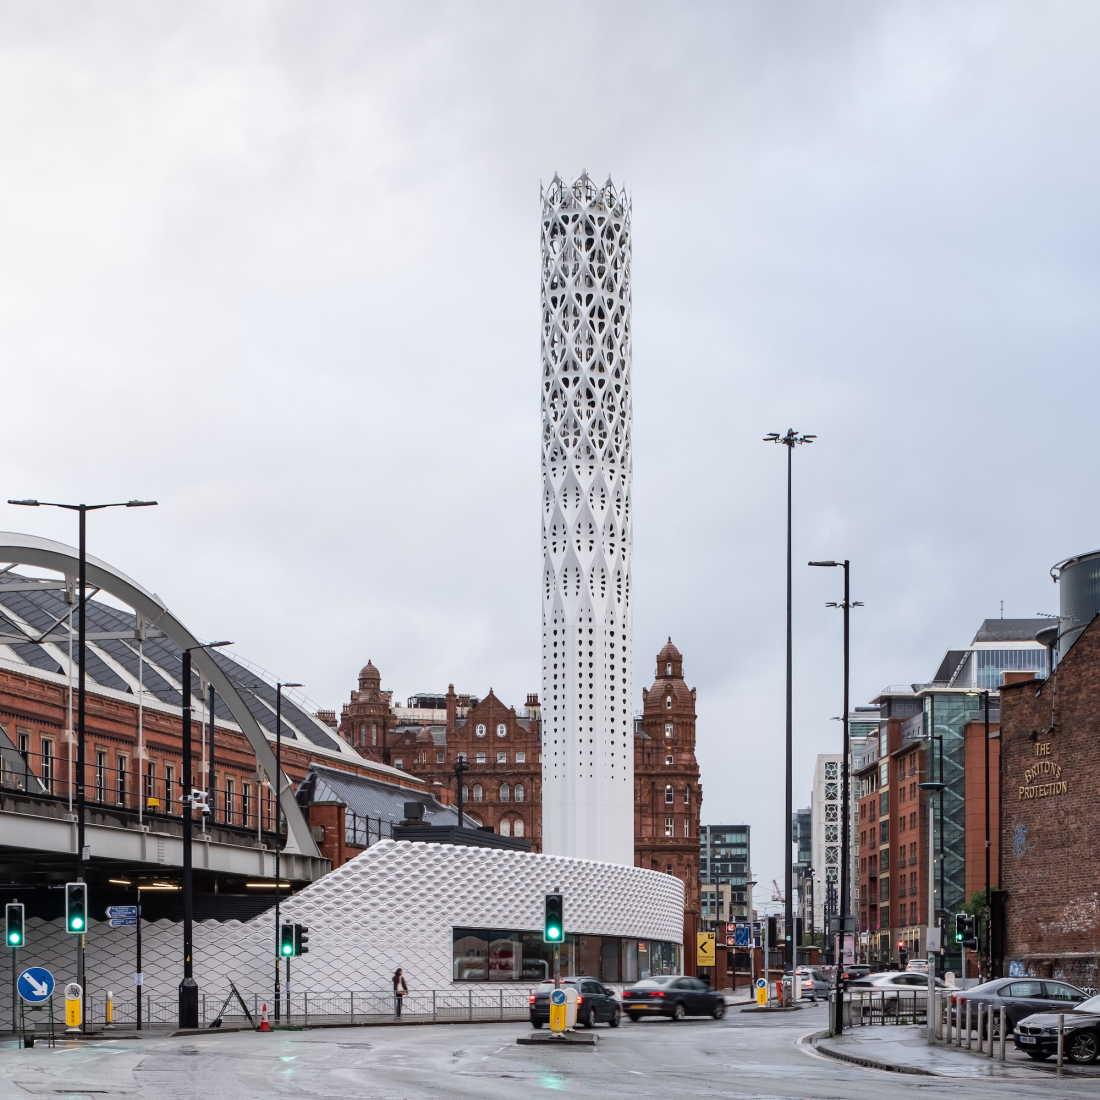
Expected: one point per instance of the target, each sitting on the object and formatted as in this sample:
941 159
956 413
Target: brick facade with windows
1049 785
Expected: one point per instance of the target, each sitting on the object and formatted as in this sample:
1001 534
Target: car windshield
1091 1005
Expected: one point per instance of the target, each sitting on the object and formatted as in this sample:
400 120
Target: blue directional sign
35 984
557 997
121 912
741 935
122 922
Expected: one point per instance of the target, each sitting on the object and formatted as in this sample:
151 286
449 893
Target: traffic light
960 927
553 925
76 908
13 924
300 939
286 941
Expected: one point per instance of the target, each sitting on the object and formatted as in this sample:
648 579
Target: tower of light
587 637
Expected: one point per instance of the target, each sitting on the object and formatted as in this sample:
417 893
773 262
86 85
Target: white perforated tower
587 658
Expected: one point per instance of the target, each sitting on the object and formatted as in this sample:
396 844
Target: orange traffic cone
264 1024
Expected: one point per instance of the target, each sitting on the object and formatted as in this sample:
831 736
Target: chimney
451 702
328 717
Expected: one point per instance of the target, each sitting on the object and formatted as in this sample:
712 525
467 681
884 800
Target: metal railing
362 832
867 1008
310 1009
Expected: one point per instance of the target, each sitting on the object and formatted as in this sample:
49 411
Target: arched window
504 792
505 828
362 733
374 734
502 730
687 796
519 792
479 794
668 794
481 730
518 830
465 793
668 729
668 702
668 669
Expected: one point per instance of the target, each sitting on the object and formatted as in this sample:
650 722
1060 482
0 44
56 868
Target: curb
866 1063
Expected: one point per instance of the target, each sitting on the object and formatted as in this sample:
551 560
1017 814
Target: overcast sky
276 265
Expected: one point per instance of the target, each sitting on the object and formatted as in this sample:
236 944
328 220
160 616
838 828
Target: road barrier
327 1007
867 1008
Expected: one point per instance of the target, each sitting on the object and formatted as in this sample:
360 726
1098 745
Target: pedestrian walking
400 989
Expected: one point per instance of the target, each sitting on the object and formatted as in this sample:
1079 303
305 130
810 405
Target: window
504 792
831 834
668 758
884 831
374 734
1057 991
830 769
901 823
884 888
668 729
399 762
884 803
439 758
47 764
502 758
481 731
883 774
462 756
670 830
465 793
687 796
1024 989
831 792
121 786
151 781
479 793
169 788
832 855
831 811
246 791
668 794
884 859
687 827
912 821
668 669
502 730
228 801
505 828
101 776
521 758
668 702
518 792
517 827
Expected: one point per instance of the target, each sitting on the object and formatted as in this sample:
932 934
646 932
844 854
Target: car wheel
1037 1055
590 1022
678 1011
1083 1048
536 1023
719 1010
634 1017
617 1017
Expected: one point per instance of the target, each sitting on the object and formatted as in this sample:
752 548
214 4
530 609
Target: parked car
1037 1035
1020 997
595 1003
673 997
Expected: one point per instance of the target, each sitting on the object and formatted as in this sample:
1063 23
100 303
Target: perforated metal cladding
588 758
393 905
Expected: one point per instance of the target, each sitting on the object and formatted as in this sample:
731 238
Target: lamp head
25 503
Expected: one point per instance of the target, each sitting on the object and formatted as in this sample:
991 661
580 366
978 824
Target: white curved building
587 658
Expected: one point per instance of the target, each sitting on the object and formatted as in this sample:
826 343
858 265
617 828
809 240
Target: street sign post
741 935
35 985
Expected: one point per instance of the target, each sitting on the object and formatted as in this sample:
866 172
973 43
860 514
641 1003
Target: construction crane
777 893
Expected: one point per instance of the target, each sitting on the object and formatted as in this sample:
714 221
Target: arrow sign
122 922
121 911
35 984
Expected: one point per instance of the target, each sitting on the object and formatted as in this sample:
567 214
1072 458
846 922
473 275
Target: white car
917 966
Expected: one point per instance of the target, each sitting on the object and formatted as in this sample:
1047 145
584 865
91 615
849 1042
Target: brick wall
1049 827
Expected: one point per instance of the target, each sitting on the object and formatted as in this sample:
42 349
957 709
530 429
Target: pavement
741 1056
905 1050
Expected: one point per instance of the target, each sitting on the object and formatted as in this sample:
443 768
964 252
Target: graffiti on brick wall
1019 839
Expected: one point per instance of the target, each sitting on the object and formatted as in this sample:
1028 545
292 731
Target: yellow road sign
704 949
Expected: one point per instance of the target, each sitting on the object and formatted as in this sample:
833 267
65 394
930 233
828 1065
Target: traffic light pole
557 967
188 989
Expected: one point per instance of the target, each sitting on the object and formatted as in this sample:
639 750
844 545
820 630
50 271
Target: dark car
1037 1036
1020 997
851 973
815 983
673 997
595 1003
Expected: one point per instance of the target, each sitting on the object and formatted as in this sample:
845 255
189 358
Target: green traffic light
13 938
76 922
287 949
553 933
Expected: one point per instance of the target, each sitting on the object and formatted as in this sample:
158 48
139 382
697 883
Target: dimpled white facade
587 658
393 905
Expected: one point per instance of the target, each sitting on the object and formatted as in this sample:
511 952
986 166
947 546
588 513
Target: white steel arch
56 556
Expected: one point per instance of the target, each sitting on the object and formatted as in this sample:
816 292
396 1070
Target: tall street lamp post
845 811
279 835
790 441
188 989
81 664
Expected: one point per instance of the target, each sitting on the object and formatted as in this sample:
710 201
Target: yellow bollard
110 1009
557 1010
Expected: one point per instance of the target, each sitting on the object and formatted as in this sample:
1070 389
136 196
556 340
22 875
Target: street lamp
188 989
845 871
790 441
279 833
83 510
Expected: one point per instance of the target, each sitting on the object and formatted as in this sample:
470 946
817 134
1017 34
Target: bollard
110 1010
989 1013
1002 1029
945 1016
968 1022
1061 1038
981 1036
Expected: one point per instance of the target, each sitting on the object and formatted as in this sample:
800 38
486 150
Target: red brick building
1049 824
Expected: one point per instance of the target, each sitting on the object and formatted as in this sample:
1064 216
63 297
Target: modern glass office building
724 860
